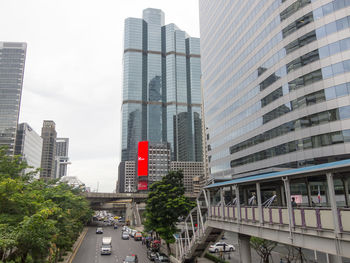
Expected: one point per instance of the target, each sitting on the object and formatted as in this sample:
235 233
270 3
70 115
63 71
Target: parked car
131 259
160 257
221 246
132 232
99 230
125 235
124 228
151 254
138 236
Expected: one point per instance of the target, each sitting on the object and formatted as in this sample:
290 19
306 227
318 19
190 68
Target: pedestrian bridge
260 206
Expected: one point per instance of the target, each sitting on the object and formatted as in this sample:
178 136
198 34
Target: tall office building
49 135
276 84
29 146
161 88
62 159
12 60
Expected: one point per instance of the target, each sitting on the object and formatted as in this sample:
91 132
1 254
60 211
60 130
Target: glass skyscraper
161 88
12 60
276 81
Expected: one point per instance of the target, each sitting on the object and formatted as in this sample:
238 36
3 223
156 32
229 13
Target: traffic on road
110 246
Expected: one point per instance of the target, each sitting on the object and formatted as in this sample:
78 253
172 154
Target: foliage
295 254
214 258
38 220
263 248
166 202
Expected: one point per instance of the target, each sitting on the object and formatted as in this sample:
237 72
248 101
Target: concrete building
276 84
191 171
49 135
29 146
62 159
158 161
126 177
12 60
161 88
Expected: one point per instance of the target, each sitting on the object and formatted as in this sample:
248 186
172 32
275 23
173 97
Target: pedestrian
147 243
224 247
143 240
294 204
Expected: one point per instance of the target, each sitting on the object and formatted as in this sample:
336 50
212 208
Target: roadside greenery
39 220
166 203
263 248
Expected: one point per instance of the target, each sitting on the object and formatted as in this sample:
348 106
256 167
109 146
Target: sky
73 72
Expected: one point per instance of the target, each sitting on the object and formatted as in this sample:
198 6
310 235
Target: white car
221 246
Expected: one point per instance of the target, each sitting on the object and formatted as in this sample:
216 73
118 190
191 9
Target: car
138 236
115 226
132 232
160 257
221 246
99 230
124 228
131 259
125 235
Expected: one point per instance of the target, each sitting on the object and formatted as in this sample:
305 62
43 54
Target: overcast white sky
73 72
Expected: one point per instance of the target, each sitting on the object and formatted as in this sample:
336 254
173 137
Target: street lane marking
78 246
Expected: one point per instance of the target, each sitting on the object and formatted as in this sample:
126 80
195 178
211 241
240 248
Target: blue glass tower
161 88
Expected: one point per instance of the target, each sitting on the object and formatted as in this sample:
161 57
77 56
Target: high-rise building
12 60
276 84
192 171
29 146
161 88
62 159
49 135
126 177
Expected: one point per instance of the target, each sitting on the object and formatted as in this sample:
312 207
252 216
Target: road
89 251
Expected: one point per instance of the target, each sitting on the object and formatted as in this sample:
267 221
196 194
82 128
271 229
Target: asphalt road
89 251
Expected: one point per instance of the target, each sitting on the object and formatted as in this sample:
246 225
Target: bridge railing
306 217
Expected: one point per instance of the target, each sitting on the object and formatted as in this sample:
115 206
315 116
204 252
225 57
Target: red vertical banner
142 159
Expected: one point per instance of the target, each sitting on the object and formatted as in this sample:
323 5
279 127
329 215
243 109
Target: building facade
62 159
127 177
276 84
192 171
161 88
12 60
48 156
29 145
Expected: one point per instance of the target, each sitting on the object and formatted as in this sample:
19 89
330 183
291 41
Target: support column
244 248
346 191
289 206
239 217
283 196
333 203
331 195
308 191
258 193
209 202
222 202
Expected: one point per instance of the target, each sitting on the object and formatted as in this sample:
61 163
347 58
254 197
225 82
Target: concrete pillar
283 196
238 204
333 203
346 191
244 248
308 190
209 202
222 202
258 195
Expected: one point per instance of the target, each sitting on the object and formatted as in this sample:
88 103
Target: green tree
166 202
37 218
263 248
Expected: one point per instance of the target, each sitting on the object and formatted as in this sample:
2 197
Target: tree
166 202
37 218
263 248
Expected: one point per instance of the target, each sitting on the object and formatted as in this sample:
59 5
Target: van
138 236
106 247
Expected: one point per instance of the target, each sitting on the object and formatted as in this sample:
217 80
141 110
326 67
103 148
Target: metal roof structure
325 167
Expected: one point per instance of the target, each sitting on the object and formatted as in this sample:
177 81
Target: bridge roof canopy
307 171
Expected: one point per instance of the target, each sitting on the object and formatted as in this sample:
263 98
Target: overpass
238 206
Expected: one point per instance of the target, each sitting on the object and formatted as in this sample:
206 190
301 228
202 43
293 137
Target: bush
214 258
